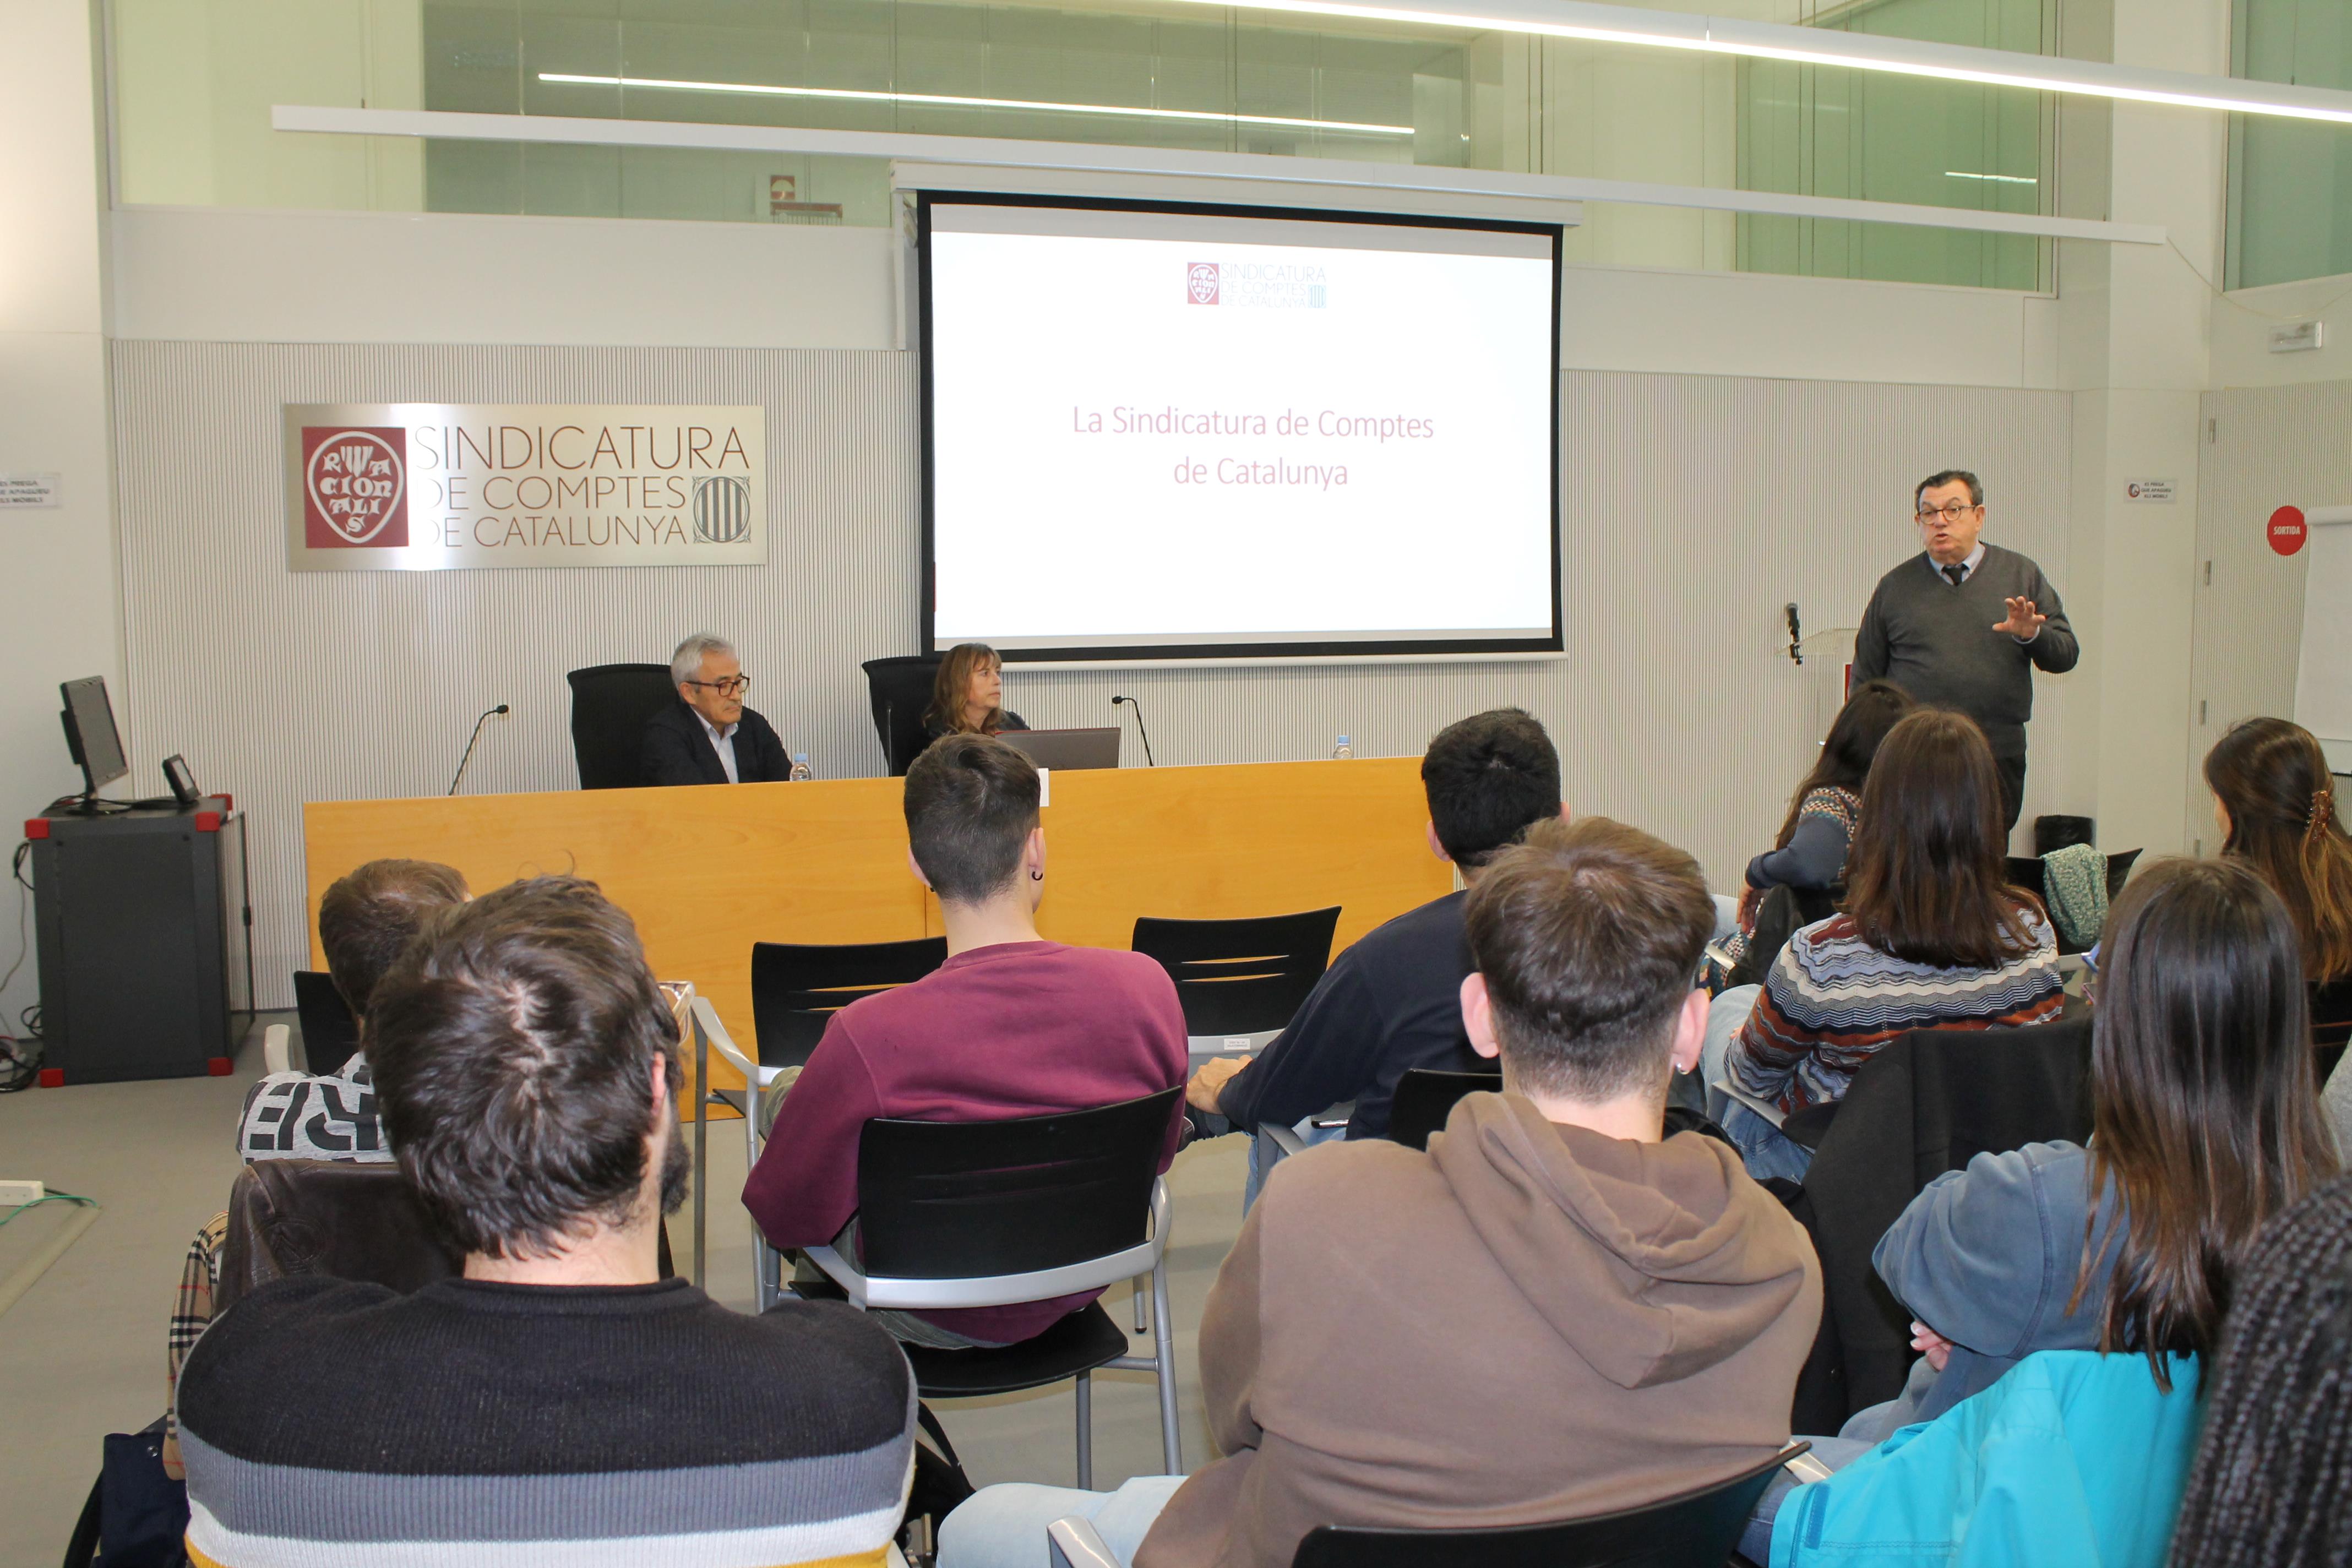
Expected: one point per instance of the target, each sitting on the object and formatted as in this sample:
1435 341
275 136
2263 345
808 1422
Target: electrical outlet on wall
17 1194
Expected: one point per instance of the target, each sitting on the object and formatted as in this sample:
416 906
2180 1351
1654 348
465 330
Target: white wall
58 580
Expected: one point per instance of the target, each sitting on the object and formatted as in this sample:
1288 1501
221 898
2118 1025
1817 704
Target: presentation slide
1161 432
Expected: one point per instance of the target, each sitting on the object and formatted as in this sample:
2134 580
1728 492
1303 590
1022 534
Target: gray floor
81 1354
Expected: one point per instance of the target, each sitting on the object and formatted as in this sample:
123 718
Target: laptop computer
1067 748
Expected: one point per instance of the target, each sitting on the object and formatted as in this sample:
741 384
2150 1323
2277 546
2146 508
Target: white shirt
723 742
1968 569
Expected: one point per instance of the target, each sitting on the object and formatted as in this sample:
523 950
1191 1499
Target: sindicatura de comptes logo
1262 285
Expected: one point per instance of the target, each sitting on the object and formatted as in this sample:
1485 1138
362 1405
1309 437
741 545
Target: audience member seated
365 919
968 694
1392 1001
1809 853
2128 1245
1553 1312
2272 1483
2275 801
1932 936
560 1403
1009 1026
2204 1126
709 737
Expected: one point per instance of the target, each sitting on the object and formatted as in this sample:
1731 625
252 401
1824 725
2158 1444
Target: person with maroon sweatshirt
1009 1026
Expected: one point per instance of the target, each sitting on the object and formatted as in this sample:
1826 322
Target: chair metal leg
1163 1357
763 1270
1136 1286
1086 1432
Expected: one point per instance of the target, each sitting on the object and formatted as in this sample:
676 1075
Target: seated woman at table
968 695
1932 937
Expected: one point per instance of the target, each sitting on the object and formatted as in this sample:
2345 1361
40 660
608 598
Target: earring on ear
1036 876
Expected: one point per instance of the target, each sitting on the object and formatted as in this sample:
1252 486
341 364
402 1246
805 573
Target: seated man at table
1392 1001
711 737
1009 1026
1555 1312
559 1402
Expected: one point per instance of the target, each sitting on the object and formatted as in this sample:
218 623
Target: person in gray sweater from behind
1966 626
2128 1245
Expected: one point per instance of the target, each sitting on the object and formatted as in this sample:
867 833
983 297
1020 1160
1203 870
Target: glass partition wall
194 81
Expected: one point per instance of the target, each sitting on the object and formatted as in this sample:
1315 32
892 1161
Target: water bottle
800 771
1342 750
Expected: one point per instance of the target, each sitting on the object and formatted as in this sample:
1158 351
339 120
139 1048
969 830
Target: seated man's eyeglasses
733 686
1950 512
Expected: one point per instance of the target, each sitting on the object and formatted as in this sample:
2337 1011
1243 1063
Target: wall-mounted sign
2149 489
28 490
433 487
2286 529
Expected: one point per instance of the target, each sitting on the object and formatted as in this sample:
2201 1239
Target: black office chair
1240 977
610 705
1425 1096
329 1033
796 988
900 689
1695 1529
984 1213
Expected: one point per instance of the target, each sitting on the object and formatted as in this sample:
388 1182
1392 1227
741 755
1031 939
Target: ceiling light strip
1835 47
991 151
943 101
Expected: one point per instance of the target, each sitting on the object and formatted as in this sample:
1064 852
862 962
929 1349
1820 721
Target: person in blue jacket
2205 1124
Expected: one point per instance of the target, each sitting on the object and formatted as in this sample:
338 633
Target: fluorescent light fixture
1258 168
1997 179
1834 46
946 101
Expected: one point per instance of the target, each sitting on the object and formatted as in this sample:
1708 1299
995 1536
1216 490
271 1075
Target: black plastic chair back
899 690
610 705
2025 871
953 1200
1425 1096
1244 976
329 1033
1697 1530
796 988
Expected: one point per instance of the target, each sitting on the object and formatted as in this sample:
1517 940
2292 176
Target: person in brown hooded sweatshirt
1553 1312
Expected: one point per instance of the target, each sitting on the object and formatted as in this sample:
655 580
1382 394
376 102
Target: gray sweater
1936 642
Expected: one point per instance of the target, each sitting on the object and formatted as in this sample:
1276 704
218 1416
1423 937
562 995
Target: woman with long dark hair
968 694
2205 1122
2275 802
1931 936
1809 852
2271 1484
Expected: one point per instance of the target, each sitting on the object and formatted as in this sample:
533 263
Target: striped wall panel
1694 508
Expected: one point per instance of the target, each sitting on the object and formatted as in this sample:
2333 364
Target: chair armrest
1074 1543
714 1034
1285 1139
273 1048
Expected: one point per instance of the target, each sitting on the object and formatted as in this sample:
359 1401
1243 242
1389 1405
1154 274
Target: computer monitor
90 735
1066 749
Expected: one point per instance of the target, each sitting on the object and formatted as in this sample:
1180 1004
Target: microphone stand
1140 728
487 714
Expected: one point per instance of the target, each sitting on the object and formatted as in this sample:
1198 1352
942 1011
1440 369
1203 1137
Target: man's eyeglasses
733 686
1950 512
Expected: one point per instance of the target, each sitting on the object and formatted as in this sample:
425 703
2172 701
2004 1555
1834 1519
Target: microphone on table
487 715
1140 728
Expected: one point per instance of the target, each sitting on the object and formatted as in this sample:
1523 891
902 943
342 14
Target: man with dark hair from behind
1391 1001
1009 1026
560 1401
367 918
1553 1312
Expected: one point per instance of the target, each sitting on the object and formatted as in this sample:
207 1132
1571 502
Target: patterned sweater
478 1424
1831 1000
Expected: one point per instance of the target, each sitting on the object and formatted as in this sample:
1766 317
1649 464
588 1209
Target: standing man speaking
1964 628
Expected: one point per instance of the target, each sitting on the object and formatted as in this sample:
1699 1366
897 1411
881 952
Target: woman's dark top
933 729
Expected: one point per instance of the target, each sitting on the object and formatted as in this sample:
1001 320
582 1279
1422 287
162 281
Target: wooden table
706 872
